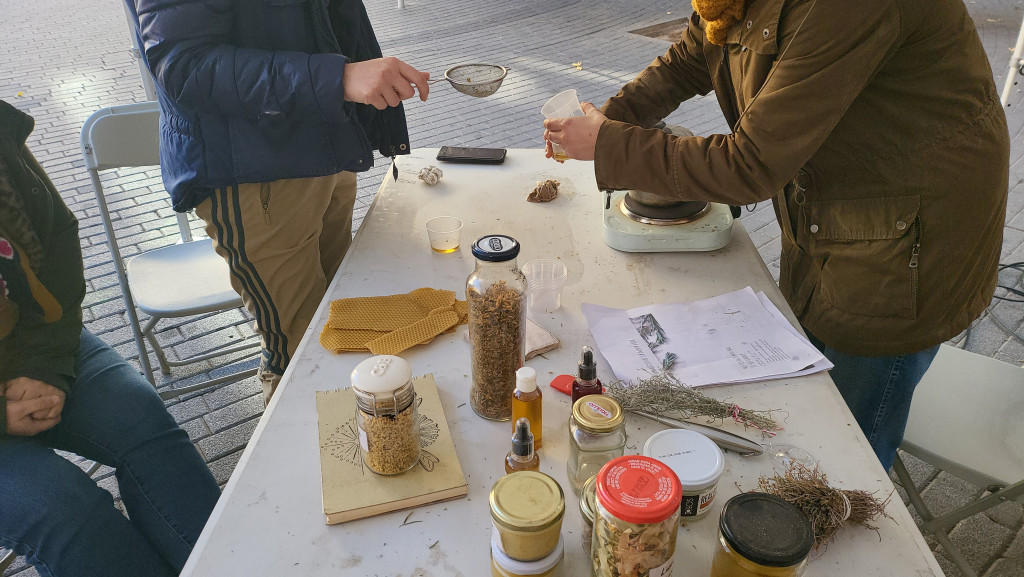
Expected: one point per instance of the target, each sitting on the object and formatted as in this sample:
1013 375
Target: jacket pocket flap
862 218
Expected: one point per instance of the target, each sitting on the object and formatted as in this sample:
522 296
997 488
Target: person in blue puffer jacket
269 108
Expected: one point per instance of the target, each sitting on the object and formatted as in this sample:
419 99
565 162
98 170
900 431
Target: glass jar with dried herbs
635 519
386 414
497 325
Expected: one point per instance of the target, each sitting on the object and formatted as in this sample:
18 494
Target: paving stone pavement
62 60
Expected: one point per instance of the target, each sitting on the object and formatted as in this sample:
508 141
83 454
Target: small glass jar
504 566
527 508
761 535
696 460
386 414
597 434
588 502
497 325
636 518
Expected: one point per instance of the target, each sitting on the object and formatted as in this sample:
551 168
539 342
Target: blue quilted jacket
251 91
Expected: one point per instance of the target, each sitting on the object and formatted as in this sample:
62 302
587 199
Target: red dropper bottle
587 382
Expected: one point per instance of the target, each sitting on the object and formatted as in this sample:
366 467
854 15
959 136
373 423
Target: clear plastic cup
444 233
544 281
562 105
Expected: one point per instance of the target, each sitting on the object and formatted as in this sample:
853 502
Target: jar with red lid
635 519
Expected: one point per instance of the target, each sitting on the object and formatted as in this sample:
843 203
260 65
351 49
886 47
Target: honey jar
761 535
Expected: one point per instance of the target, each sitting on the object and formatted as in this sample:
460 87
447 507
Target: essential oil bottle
522 457
526 402
587 382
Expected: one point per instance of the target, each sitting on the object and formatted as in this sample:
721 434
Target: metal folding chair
965 420
180 280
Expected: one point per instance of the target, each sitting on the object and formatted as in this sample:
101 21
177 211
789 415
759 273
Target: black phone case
471 155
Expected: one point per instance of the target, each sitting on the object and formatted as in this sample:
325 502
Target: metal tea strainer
478 80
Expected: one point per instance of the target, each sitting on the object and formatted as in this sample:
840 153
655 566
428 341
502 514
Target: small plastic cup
444 232
562 105
544 281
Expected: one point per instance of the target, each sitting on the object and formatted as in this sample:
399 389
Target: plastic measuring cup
443 233
562 105
544 281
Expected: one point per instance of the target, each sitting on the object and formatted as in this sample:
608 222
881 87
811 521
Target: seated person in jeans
63 388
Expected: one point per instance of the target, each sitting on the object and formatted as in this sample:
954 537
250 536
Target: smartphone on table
471 155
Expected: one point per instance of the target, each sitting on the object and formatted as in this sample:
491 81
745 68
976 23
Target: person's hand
23 389
20 415
577 135
383 82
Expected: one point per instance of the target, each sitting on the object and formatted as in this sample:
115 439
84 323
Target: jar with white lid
386 414
696 460
636 518
504 566
597 434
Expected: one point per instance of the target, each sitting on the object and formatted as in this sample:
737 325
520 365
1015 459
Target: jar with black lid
497 325
761 535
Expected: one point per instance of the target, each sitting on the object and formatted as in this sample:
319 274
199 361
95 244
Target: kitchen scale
636 221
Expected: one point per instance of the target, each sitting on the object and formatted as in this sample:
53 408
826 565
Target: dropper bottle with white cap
526 402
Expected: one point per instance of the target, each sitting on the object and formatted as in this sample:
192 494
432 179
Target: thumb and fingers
20 419
383 82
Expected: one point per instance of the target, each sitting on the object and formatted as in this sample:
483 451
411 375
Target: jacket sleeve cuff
62 382
326 72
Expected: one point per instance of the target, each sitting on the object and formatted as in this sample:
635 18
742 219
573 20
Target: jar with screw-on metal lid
597 434
497 325
588 502
386 414
636 518
761 535
527 508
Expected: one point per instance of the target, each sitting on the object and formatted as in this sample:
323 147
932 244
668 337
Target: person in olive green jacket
876 129
61 387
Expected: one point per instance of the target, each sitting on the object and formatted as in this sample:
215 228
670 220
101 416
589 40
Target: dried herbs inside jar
495 334
622 549
391 443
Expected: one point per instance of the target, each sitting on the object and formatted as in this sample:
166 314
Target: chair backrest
123 137
965 417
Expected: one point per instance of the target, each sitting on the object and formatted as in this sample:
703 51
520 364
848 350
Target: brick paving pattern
63 59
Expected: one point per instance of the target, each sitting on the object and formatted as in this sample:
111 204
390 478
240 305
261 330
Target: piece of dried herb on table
664 395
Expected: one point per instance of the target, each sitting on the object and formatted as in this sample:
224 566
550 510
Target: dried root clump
828 508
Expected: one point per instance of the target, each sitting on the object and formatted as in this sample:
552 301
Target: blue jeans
878 391
63 523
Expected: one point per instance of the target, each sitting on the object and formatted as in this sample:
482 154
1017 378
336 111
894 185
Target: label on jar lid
638 489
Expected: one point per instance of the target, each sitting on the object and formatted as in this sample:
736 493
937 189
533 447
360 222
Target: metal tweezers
724 439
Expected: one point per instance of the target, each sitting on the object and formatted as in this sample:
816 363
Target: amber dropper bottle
522 457
526 402
587 382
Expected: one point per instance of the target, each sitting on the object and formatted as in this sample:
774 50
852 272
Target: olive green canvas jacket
876 129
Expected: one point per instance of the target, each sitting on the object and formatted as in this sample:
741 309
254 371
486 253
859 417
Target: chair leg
938 532
6 561
150 331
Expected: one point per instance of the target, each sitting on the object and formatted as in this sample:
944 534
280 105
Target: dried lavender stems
664 395
827 508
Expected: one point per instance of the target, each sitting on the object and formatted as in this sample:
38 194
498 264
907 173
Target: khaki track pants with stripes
283 242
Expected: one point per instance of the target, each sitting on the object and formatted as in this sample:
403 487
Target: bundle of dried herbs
496 335
664 395
827 508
